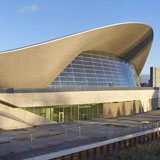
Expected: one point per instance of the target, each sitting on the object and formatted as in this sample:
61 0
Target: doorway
84 113
61 117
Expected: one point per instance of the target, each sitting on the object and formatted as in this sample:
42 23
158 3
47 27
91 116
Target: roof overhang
38 65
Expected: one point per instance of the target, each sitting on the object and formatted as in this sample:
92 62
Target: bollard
31 140
79 133
11 139
143 127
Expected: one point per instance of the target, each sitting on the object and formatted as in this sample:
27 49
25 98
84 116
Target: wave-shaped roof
38 65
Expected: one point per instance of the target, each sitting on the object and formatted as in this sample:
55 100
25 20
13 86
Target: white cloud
28 9
33 7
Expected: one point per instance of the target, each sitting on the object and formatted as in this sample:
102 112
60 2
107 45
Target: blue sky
26 22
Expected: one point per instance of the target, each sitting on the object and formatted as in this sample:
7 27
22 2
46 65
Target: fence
43 139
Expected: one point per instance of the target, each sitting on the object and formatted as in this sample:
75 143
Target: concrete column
145 105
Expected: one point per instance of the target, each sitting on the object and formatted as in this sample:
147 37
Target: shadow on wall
10 119
45 101
122 108
154 103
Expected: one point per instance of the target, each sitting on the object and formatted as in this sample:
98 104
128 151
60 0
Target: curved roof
38 65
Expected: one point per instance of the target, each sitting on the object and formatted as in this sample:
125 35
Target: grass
147 151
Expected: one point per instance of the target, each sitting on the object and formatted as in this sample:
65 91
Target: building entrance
61 117
66 113
85 113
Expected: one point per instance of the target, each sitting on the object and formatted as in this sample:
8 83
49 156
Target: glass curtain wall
68 113
96 69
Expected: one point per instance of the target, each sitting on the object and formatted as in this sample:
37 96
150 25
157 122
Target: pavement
25 143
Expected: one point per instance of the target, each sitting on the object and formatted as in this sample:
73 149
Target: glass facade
96 69
68 113
89 69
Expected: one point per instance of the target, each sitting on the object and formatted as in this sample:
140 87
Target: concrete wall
13 118
128 107
7 123
122 108
154 102
81 97
116 103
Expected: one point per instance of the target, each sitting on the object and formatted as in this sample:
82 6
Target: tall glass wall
69 112
96 69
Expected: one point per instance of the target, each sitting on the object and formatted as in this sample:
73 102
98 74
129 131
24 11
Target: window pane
95 68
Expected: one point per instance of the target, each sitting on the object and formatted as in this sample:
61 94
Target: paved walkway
22 143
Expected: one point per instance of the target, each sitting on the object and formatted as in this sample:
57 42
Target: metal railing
70 134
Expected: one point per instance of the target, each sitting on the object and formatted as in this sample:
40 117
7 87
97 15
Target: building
84 76
145 80
155 76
